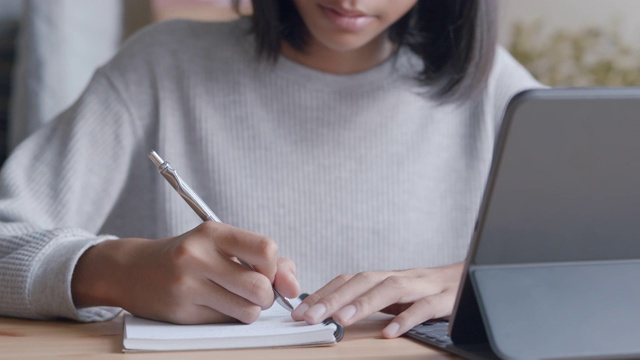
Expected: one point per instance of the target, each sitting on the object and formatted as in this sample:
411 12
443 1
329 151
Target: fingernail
345 314
391 330
316 312
300 310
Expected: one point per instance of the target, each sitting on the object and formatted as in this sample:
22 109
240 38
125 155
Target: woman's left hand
414 296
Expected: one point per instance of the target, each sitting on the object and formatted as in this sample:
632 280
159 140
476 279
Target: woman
355 134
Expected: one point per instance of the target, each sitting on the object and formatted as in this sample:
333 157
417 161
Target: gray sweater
346 172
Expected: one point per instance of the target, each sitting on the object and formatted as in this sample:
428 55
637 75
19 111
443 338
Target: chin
346 43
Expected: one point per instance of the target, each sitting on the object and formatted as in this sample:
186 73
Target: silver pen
199 206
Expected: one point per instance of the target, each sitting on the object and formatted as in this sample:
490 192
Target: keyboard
435 333
432 332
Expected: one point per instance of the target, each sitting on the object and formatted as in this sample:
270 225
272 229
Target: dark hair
456 39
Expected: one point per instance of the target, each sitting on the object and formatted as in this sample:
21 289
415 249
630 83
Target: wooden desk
26 339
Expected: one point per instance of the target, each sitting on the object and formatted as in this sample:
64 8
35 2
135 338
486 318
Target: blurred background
575 42
50 48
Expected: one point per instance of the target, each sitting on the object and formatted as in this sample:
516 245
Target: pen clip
185 191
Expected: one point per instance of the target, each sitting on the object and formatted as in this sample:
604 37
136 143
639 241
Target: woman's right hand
189 279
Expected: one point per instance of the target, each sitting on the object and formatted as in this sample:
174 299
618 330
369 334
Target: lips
347 20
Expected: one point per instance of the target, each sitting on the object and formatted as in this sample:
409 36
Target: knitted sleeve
56 190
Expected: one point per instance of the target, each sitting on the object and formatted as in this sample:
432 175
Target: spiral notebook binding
339 333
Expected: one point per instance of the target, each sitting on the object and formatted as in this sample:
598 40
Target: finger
189 315
257 250
309 301
430 307
217 298
286 282
198 301
342 296
392 290
246 283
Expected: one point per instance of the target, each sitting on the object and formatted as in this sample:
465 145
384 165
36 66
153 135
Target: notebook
555 255
274 328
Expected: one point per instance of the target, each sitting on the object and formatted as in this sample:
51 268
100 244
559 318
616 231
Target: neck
332 61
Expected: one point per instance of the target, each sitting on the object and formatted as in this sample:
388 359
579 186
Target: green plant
591 57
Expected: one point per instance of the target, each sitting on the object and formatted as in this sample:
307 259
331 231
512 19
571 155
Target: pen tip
155 158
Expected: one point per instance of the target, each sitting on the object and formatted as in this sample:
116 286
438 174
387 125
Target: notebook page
273 321
274 328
